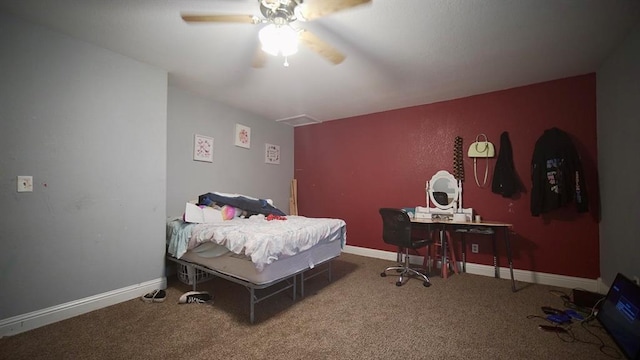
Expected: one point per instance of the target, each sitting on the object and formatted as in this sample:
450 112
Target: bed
259 251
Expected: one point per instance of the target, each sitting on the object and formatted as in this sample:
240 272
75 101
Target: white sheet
262 240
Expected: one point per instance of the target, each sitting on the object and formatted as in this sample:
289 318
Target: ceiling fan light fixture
299 12
271 4
279 40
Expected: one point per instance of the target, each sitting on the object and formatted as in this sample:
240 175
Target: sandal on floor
155 296
195 297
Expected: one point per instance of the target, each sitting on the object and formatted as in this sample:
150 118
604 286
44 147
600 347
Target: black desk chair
396 230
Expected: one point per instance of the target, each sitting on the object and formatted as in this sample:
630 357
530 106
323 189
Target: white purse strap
486 158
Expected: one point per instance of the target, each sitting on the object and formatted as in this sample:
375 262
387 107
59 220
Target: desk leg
464 252
445 267
495 256
509 258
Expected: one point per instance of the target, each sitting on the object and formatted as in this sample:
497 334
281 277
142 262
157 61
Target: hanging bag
481 149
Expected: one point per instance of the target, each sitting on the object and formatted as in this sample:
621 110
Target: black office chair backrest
396 227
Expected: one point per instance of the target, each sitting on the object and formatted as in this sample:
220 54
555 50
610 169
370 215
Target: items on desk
444 191
422 213
411 211
460 217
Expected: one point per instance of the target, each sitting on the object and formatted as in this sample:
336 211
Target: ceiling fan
278 37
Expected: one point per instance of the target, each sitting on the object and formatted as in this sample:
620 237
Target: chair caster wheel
383 274
426 284
398 283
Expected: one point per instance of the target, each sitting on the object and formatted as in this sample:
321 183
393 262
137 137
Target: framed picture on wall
271 154
243 136
202 148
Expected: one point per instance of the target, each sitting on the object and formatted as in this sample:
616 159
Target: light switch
25 183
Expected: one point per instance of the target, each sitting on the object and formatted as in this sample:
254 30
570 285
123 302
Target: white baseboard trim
25 322
564 281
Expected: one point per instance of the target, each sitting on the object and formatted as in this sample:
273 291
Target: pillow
201 214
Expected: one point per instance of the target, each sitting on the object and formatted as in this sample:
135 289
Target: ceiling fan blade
318 8
249 19
321 47
259 58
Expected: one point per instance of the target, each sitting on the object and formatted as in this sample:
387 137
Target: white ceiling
399 52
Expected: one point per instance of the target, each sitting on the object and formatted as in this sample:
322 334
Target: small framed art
202 148
243 136
271 154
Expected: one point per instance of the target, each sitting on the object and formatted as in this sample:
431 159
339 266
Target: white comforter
262 240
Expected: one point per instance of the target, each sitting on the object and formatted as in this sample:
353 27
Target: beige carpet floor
359 315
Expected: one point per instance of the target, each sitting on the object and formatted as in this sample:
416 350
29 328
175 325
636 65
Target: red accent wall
349 168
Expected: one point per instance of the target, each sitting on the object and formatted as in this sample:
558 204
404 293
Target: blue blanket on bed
251 206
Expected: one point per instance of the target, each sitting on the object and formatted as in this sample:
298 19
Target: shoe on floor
197 297
154 296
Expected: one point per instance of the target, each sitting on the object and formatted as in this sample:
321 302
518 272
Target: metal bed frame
291 281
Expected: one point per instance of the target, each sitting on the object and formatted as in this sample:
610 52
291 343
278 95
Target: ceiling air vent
299 120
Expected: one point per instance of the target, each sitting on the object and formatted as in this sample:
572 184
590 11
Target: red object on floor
451 259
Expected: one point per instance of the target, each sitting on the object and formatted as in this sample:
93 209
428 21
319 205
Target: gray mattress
241 267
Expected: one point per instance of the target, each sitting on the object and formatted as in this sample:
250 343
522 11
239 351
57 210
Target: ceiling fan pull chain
286 61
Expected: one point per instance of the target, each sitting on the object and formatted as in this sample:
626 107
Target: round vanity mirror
443 190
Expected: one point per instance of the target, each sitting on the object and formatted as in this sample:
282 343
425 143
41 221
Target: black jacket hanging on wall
505 181
556 173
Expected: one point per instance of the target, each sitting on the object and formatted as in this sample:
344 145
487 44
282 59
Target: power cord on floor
605 349
567 303
565 331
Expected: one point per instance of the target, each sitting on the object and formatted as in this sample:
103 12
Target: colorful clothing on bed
251 206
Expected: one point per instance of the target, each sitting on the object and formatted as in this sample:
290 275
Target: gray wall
234 169
618 99
90 126
110 148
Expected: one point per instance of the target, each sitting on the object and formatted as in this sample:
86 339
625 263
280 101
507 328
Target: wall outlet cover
25 183
474 248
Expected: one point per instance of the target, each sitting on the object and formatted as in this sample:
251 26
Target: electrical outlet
474 248
25 183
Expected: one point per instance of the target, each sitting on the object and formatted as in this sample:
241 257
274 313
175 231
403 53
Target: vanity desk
466 227
448 216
